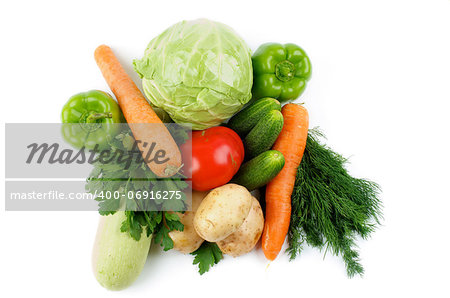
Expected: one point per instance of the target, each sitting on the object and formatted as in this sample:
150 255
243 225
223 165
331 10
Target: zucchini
246 119
118 259
264 134
260 170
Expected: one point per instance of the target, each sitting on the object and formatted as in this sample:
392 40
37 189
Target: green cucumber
260 170
264 134
246 119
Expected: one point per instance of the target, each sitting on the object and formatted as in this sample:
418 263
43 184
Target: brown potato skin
188 240
245 238
222 212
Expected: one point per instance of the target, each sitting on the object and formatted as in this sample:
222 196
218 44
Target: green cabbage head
199 72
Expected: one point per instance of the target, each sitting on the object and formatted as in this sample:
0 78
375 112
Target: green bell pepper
90 118
280 71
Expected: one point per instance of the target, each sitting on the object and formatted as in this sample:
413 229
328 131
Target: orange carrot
291 143
139 114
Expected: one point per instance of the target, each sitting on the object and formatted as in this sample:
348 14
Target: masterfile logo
47 171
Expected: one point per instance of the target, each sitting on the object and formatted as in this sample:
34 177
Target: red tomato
217 154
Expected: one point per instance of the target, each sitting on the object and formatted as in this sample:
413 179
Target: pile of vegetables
200 74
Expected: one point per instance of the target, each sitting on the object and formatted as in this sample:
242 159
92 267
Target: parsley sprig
206 256
123 179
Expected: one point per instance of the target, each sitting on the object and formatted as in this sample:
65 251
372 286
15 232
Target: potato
245 238
222 212
188 240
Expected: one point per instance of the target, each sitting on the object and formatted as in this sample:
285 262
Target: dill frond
330 208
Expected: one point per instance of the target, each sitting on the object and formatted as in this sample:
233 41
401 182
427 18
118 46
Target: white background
380 90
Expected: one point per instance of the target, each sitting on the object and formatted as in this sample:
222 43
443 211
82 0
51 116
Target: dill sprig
330 208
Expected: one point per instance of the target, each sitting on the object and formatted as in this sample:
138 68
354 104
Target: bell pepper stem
285 70
92 118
